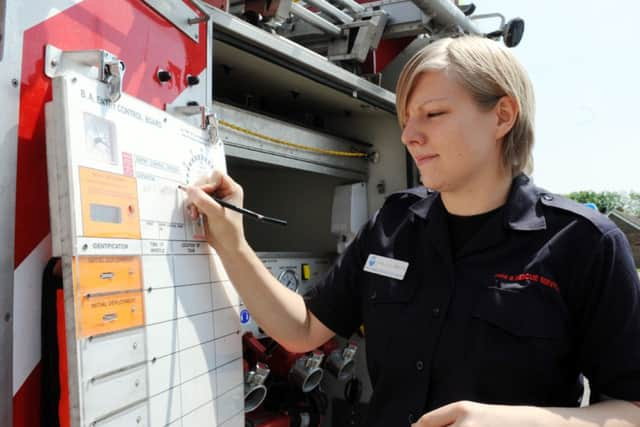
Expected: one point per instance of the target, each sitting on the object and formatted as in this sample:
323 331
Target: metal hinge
95 64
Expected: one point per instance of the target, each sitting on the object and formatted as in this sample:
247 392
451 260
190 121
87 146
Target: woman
501 294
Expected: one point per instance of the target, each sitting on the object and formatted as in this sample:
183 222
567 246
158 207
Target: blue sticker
372 260
244 316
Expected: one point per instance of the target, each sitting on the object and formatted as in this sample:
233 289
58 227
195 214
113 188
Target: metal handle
114 73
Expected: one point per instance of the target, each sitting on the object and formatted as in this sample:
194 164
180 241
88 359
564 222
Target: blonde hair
488 71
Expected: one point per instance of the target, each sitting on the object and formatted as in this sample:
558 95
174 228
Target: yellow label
306 272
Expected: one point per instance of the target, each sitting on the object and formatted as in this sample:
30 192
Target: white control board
152 321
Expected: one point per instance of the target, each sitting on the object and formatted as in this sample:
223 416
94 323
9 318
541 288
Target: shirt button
411 419
373 295
419 365
547 197
435 312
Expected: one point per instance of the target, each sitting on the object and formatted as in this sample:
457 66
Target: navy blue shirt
544 291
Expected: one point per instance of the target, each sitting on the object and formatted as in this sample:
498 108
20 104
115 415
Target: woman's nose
411 135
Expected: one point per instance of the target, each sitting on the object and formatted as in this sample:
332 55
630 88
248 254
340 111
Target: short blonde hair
489 71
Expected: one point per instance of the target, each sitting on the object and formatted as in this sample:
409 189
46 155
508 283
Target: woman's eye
435 114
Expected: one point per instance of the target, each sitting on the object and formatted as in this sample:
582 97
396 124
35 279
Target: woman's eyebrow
428 101
432 100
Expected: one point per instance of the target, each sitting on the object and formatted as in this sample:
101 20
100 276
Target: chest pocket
385 290
528 311
519 343
386 311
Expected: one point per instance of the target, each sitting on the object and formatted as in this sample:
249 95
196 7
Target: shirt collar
522 211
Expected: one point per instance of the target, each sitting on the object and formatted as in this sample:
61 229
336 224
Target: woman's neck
478 195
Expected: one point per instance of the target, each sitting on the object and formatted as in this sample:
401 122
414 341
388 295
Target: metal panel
245 146
228 377
230 404
11 41
162 339
3 11
226 321
8 147
164 374
134 416
165 408
195 330
218 273
158 271
292 56
236 421
108 395
109 352
193 299
274 159
7 210
227 349
203 416
160 305
224 295
190 269
199 391
198 360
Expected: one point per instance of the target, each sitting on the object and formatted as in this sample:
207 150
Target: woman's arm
281 312
612 413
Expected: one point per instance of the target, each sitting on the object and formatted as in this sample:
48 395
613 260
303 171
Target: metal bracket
207 120
368 35
258 376
212 125
181 15
349 351
191 110
314 360
95 64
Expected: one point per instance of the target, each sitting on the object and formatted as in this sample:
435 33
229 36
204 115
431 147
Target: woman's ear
506 110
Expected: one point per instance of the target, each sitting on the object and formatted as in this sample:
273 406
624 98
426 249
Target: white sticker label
384 266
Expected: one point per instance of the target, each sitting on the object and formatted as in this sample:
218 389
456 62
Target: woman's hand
610 413
223 227
461 414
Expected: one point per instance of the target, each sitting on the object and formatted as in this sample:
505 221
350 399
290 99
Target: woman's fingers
200 202
221 185
223 227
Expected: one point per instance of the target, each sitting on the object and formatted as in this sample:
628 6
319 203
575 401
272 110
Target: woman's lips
424 159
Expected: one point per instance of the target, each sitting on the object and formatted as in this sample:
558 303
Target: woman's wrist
239 247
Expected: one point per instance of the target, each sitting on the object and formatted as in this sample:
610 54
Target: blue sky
584 61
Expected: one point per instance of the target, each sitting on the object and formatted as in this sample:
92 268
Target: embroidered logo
535 278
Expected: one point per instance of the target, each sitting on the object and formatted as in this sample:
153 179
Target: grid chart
153 317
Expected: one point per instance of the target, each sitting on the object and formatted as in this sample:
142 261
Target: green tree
632 203
606 201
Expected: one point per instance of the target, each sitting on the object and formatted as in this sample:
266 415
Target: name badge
387 267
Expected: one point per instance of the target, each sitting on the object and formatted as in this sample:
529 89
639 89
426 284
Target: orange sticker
109 273
109 204
110 313
107 293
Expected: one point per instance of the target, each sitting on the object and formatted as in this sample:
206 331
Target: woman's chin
432 183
